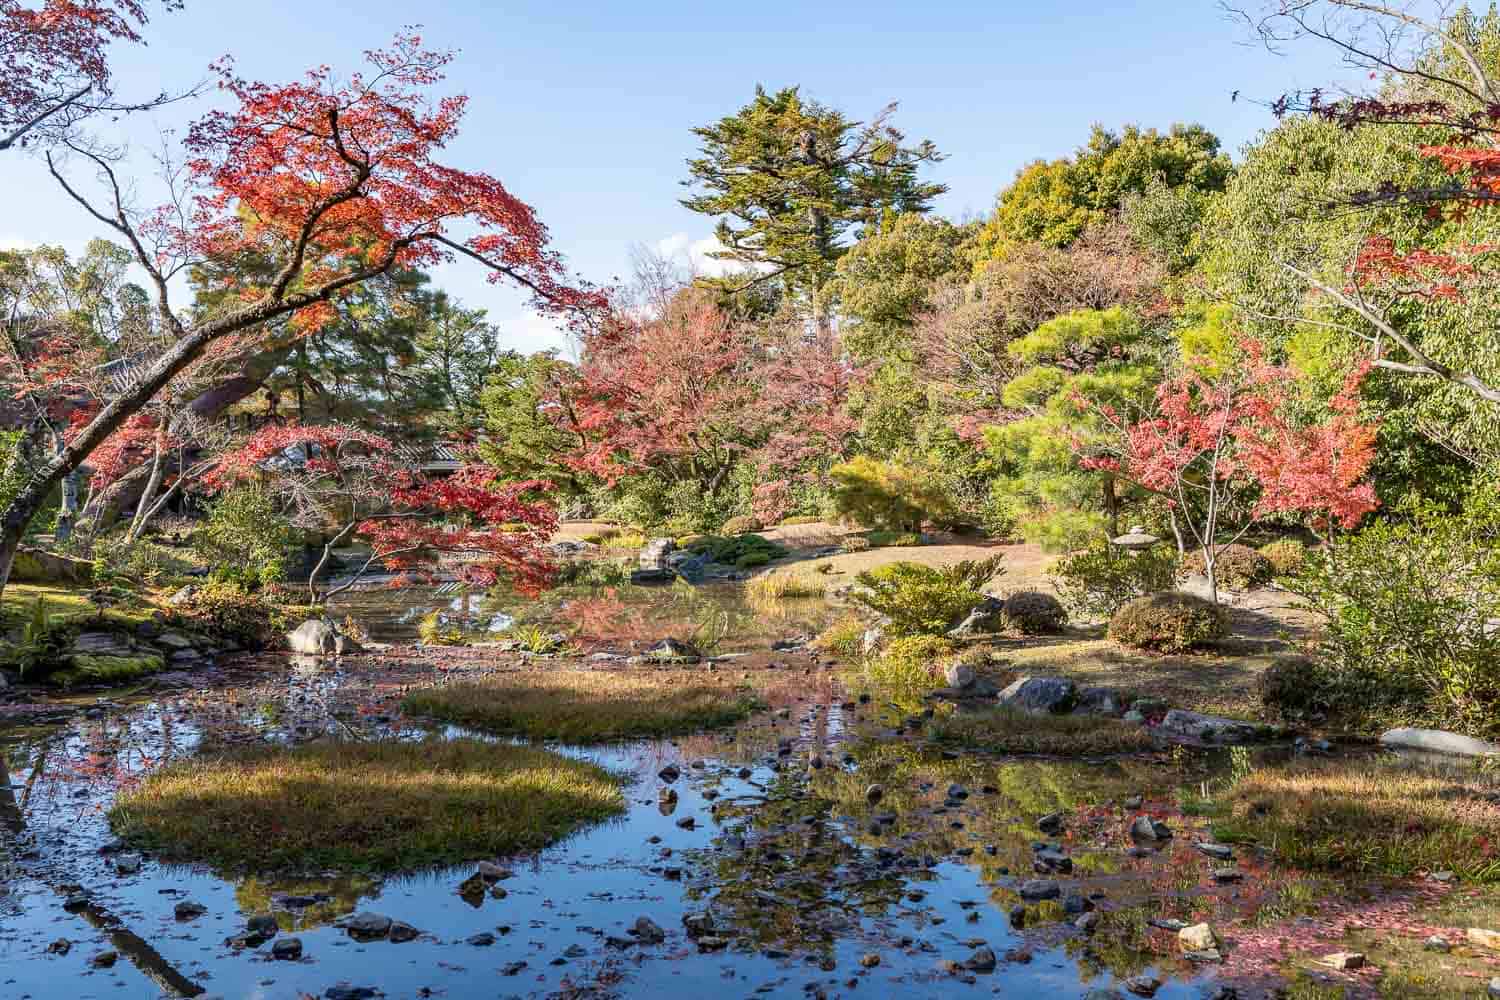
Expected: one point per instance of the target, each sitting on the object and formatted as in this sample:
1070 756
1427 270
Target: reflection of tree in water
303 904
100 757
812 863
785 878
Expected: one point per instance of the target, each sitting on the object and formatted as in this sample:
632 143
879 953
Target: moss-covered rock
85 668
39 566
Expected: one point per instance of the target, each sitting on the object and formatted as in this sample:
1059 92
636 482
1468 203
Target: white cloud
695 254
529 332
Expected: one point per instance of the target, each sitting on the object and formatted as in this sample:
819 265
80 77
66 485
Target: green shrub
741 525
887 495
141 561
924 600
1169 622
1294 686
909 666
1236 567
846 637
1100 579
787 522
245 538
731 551
224 609
855 543
1032 612
1286 556
893 539
1408 605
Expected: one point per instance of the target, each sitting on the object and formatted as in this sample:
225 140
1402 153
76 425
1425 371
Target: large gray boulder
982 620
313 637
1196 727
1438 741
1041 695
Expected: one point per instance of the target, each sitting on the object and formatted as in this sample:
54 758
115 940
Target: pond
811 887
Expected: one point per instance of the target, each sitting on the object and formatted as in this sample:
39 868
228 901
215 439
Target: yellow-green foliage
1286 556
386 806
434 631
855 543
740 525
622 541
1081 331
925 599
888 495
908 666
846 637
589 706
892 539
780 586
600 537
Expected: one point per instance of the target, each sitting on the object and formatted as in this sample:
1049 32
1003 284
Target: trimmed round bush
1238 567
1032 612
1293 686
1286 556
1169 622
855 543
741 525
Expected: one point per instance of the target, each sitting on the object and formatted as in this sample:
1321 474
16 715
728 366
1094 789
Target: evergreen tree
788 178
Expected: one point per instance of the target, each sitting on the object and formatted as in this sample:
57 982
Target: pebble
481 940
104 959
874 794
287 949
869 960
669 773
1143 986
402 932
983 960
1197 937
1437 943
188 910
1344 960
60 947
648 931
1050 824
1037 889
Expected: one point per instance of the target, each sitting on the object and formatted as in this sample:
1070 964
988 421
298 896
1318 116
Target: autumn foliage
1209 435
350 483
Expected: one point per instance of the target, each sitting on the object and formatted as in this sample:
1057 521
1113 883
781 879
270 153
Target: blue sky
584 108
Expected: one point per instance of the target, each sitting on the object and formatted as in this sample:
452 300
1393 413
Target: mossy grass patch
1004 730
383 806
1375 816
590 706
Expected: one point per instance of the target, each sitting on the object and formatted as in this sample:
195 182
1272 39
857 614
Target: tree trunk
148 495
1112 505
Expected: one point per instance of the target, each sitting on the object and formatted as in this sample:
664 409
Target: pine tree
788 178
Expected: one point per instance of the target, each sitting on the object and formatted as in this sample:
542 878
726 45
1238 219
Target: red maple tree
352 484
337 181
53 65
1223 444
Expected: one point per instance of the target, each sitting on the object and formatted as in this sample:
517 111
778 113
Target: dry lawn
368 806
589 706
